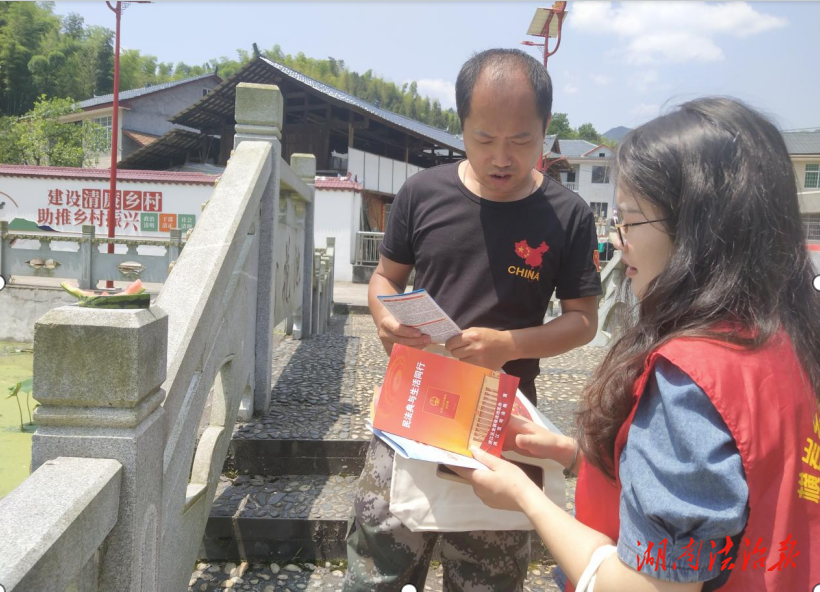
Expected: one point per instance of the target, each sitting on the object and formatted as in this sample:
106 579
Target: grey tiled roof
440 136
138 92
802 142
575 147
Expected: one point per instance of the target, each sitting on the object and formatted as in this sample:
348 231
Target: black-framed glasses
621 227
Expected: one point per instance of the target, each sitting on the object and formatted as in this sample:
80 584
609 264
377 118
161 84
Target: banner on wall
144 208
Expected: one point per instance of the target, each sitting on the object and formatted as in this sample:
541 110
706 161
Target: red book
444 402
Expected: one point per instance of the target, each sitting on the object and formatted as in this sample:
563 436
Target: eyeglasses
621 228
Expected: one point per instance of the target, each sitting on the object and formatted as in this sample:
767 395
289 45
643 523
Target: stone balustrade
153 393
87 264
616 301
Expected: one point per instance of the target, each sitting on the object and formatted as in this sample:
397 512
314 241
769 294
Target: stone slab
259 104
44 550
86 357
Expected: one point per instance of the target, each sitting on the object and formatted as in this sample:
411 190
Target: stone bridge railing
138 406
617 300
85 262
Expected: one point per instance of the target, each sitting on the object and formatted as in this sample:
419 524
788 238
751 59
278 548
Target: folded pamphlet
417 309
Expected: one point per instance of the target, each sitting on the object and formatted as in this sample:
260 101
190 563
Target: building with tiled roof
364 153
135 93
804 150
586 170
143 112
803 143
337 184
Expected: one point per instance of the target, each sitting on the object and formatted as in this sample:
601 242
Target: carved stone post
97 375
174 247
331 253
304 165
259 117
318 288
87 249
325 314
4 232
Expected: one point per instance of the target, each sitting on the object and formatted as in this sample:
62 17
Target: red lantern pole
115 120
115 117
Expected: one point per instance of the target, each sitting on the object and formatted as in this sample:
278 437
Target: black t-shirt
493 264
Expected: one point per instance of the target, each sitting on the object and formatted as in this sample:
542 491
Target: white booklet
417 451
417 309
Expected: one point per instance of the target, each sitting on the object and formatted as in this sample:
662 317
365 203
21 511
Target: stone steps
290 475
279 518
296 457
322 577
288 518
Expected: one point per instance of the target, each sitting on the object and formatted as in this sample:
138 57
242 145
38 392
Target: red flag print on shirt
532 257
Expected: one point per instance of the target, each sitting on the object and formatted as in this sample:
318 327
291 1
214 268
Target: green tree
43 140
9 146
588 132
22 27
43 53
102 56
559 125
74 26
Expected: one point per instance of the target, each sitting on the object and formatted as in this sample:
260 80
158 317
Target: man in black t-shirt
490 239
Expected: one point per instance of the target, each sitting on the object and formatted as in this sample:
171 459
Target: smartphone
534 472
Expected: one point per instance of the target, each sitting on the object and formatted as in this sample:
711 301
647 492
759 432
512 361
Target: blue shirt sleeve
682 480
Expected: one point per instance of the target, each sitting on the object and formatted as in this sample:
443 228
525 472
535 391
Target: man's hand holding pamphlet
418 310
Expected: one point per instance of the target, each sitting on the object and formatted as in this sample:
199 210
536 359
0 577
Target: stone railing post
259 117
98 376
87 248
316 292
331 251
4 232
304 165
326 273
174 246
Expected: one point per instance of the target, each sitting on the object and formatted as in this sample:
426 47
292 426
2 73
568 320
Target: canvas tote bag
424 502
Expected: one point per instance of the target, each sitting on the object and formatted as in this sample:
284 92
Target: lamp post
115 117
547 23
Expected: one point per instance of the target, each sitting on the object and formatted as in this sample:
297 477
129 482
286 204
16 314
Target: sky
619 63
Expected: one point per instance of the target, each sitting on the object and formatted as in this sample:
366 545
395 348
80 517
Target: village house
588 174
143 112
804 149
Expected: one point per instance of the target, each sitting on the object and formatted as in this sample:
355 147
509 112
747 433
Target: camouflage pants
384 555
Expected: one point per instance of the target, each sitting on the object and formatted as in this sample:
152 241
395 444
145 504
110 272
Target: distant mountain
617 133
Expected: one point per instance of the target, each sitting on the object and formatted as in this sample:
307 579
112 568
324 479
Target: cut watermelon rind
138 298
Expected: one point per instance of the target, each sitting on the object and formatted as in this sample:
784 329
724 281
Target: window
205 91
811 223
106 123
386 213
602 154
599 208
600 174
812 180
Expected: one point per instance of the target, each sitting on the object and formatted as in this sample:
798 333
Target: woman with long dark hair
698 440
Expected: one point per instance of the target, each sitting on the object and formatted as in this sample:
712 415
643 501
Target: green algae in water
15 446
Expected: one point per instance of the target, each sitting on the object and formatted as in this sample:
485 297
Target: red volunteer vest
765 398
